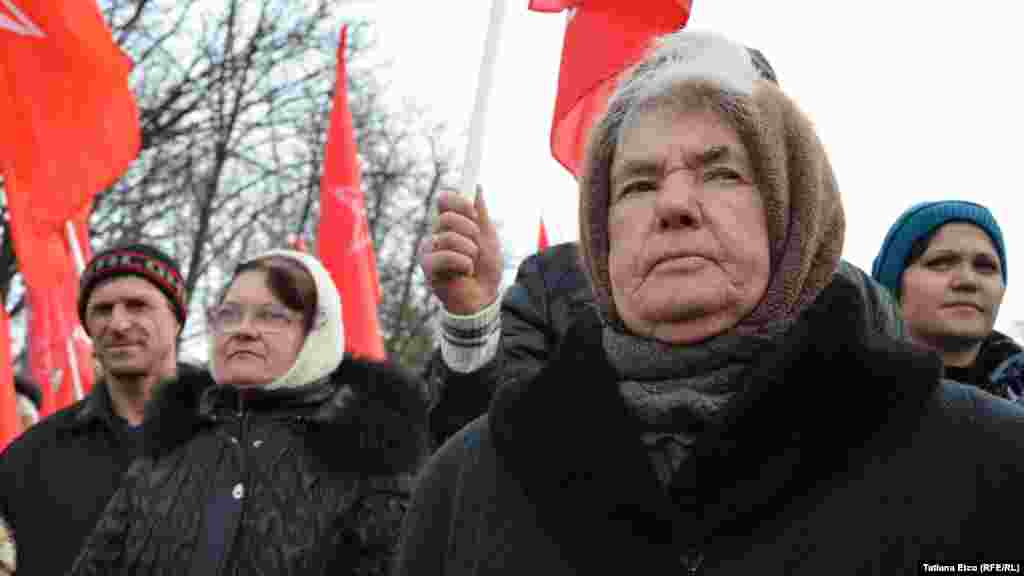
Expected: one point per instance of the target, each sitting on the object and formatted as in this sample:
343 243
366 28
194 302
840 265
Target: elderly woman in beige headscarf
724 411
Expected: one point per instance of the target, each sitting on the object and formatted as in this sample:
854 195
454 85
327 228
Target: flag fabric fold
343 239
552 5
602 39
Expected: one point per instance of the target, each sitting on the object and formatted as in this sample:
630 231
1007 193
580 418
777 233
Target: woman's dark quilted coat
300 481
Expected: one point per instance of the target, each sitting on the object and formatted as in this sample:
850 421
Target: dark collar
995 350
375 410
575 447
98 407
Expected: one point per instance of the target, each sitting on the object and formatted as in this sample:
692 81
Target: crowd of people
700 383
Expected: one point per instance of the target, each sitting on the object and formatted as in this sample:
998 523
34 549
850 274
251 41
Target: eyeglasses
267 319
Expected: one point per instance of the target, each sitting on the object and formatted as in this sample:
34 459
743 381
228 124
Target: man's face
951 295
688 255
133 328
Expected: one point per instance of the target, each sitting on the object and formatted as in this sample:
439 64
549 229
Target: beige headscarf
804 213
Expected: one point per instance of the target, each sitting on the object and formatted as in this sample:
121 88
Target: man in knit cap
57 477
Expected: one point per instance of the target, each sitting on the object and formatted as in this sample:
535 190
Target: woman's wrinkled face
689 253
951 295
256 337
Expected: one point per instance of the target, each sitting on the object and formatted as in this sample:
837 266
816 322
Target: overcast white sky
914 100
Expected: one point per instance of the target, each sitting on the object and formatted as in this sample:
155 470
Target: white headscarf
324 348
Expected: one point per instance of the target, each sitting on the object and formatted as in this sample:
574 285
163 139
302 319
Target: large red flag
343 240
9 422
603 38
71 128
70 122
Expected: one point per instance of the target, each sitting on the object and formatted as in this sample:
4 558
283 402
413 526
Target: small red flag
603 38
542 239
343 239
9 421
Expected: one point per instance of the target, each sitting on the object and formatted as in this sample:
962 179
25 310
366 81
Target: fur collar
375 409
819 392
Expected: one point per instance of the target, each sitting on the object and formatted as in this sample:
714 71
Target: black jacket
998 369
846 455
549 292
293 481
56 478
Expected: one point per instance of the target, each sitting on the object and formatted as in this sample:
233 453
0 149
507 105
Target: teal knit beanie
921 220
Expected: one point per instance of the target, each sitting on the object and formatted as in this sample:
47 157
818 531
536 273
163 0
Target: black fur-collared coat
847 454
286 482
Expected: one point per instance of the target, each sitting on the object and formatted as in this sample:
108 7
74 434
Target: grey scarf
677 390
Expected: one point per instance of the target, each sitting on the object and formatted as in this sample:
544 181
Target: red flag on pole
542 239
71 124
602 39
9 422
343 240
71 128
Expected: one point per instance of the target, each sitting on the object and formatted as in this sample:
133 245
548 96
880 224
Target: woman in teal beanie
946 264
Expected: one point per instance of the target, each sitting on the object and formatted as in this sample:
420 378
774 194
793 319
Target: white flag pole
76 252
76 378
474 146
76 249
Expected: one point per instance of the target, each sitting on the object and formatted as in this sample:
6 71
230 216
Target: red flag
70 120
71 129
552 5
41 358
343 241
71 124
60 353
542 239
603 38
9 422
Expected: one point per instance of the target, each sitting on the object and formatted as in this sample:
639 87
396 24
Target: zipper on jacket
692 562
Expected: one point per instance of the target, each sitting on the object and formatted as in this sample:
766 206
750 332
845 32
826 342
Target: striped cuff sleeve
469 342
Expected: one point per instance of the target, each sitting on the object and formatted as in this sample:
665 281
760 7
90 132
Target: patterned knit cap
141 260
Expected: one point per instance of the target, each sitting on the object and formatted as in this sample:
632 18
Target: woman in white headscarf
726 410
273 465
